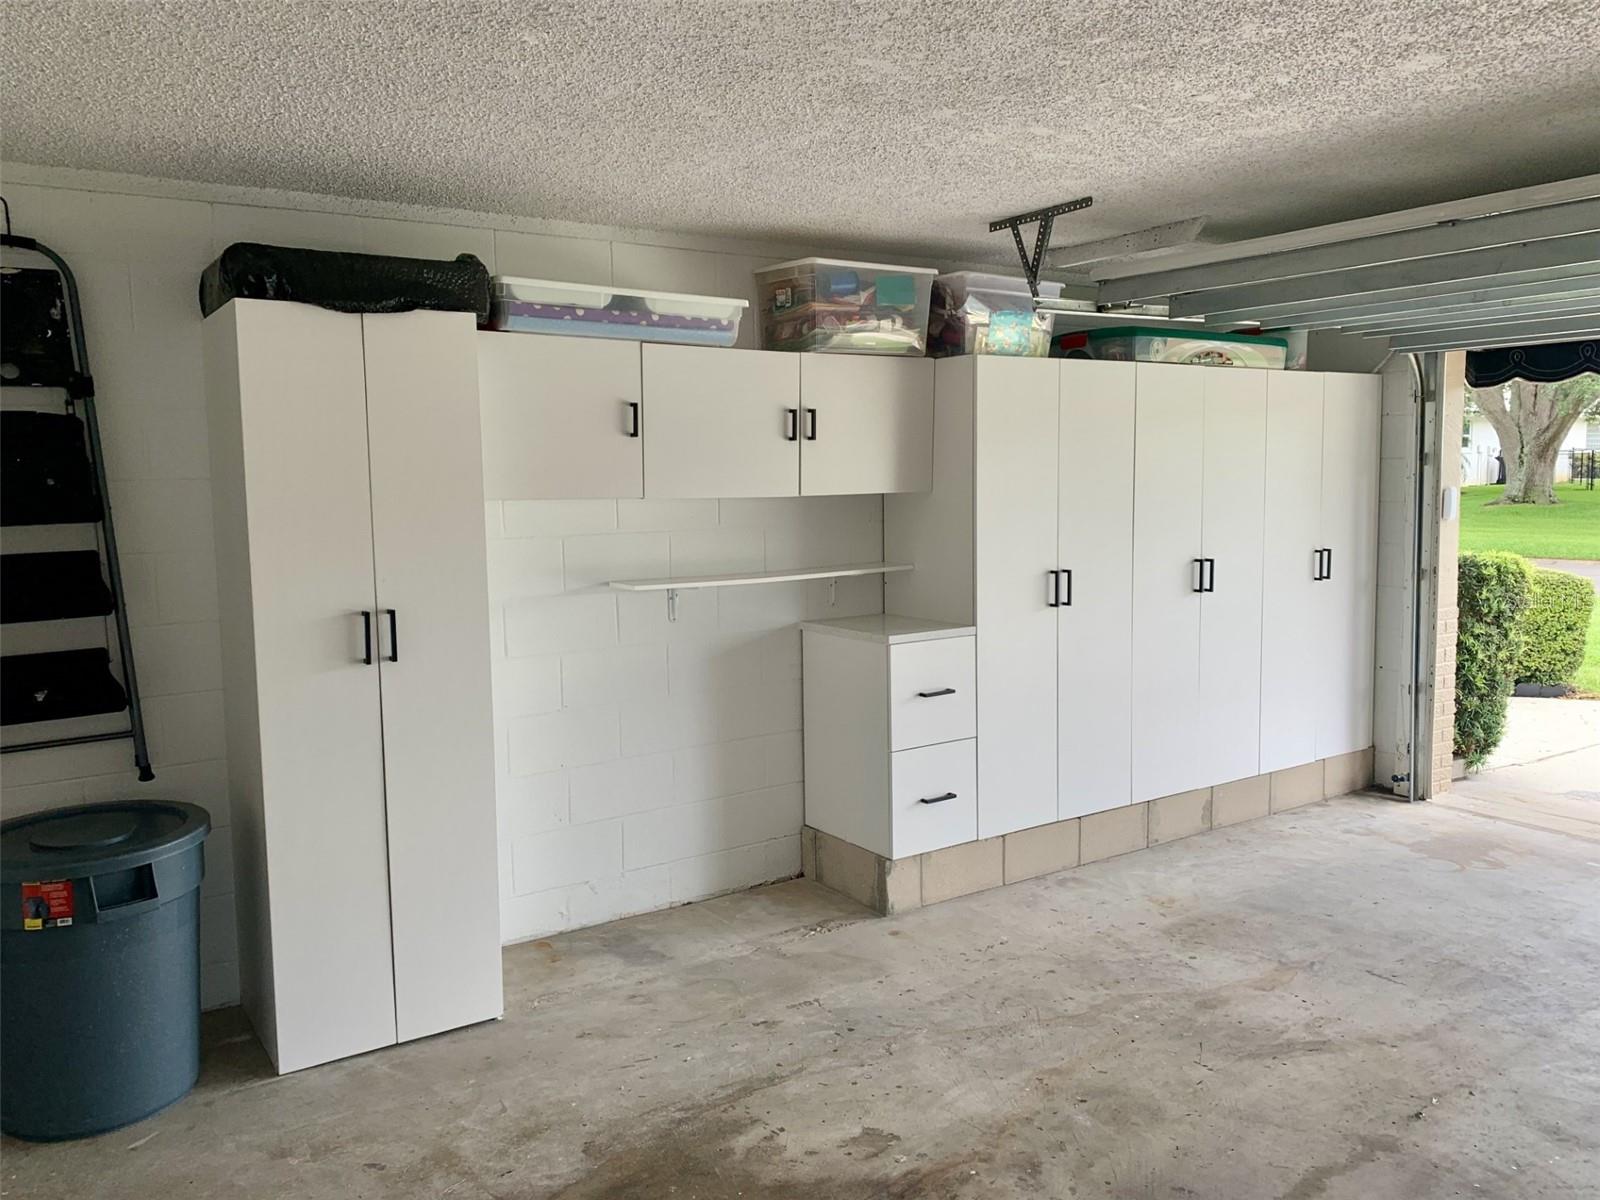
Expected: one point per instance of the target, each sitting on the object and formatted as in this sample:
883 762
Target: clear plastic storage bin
1198 348
594 310
974 313
830 305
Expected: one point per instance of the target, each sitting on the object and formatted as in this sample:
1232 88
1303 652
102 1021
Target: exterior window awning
1537 364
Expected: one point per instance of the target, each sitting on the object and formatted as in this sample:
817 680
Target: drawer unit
931 693
934 793
891 756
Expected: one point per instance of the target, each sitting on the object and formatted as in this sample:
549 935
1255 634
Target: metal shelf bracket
1046 218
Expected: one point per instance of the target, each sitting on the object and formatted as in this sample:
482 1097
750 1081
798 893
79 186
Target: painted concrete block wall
645 762
138 247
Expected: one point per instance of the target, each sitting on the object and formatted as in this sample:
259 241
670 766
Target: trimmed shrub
1492 596
1550 632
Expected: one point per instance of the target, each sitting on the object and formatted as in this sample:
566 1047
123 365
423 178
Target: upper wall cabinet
720 422
588 418
561 418
752 423
866 424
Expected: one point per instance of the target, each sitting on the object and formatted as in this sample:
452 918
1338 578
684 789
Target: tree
1532 420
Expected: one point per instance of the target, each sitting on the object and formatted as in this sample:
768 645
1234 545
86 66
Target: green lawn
1588 679
1570 529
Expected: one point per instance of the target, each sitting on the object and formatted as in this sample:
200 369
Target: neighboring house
1480 444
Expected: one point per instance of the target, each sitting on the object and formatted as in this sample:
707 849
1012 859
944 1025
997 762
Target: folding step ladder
54 475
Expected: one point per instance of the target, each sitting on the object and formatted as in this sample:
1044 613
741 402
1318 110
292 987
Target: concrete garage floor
1355 1000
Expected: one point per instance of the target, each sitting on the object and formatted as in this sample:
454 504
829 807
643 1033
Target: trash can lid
89 839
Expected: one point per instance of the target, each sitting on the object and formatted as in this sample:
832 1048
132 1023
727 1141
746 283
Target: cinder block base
1294 787
1347 773
1241 800
962 870
890 886
1115 831
1041 851
1180 816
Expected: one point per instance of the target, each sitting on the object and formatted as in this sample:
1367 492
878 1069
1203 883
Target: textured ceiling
875 123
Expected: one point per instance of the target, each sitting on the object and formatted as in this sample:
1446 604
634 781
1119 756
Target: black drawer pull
633 418
366 636
937 799
940 692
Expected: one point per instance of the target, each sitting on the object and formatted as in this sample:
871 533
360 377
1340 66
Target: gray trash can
99 965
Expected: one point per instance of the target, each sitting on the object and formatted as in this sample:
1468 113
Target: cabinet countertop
888 629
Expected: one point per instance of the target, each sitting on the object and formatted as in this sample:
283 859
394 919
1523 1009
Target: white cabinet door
720 422
1095 655
867 424
1230 610
1291 643
1015 418
561 417
288 403
1346 612
427 506
1168 478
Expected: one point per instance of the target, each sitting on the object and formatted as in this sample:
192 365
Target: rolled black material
58 685
52 587
45 476
353 283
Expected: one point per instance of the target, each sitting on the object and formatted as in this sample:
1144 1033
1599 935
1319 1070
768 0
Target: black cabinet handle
792 428
811 424
1200 574
1066 577
940 692
1052 594
1316 567
937 799
1327 564
1211 574
394 637
633 418
366 636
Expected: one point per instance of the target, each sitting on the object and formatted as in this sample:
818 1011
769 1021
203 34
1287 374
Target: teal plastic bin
99 965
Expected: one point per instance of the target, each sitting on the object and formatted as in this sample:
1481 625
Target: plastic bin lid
1010 285
90 839
506 285
844 262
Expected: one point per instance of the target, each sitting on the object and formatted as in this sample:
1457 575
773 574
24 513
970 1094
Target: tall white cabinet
1320 567
347 487
1093 591
1028 533
1135 546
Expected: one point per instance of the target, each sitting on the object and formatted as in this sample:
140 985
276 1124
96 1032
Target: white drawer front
926 813
931 693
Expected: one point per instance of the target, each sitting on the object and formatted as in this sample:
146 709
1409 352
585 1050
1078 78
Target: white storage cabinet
562 418
1320 567
890 751
1114 533
347 486
757 423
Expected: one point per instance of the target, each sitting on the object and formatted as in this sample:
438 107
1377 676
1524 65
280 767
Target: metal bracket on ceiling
1046 218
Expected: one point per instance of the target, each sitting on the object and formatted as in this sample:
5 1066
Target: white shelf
683 583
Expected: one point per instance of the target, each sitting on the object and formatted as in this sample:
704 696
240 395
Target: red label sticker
47 904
